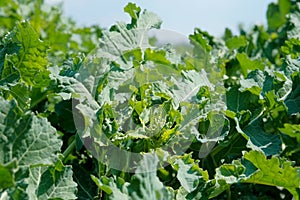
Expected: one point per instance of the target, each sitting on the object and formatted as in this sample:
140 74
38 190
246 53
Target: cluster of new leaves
136 121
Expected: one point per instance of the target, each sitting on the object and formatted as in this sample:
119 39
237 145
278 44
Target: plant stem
69 150
228 191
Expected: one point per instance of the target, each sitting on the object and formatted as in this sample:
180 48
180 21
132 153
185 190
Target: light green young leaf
31 59
236 42
247 64
274 172
109 186
133 10
292 130
277 13
7 175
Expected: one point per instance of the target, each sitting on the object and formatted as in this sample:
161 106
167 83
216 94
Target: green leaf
291 48
228 174
201 39
190 175
261 82
133 10
254 83
147 184
238 101
87 189
274 172
122 39
247 64
156 56
49 183
258 139
276 14
188 180
6 70
34 144
292 101
83 103
236 42
292 130
294 22
184 88
109 186
32 140
7 175
256 168
31 59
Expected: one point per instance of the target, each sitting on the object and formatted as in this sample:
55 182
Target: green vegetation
89 113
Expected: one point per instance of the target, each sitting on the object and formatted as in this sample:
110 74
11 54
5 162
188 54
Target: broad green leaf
9 48
228 174
83 103
251 86
261 82
258 139
156 56
35 143
294 22
254 82
274 172
114 44
148 20
32 140
238 101
212 129
184 87
194 181
147 185
290 66
292 101
48 183
189 181
21 94
190 175
256 168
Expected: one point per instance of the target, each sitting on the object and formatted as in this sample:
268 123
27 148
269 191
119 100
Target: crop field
117 113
